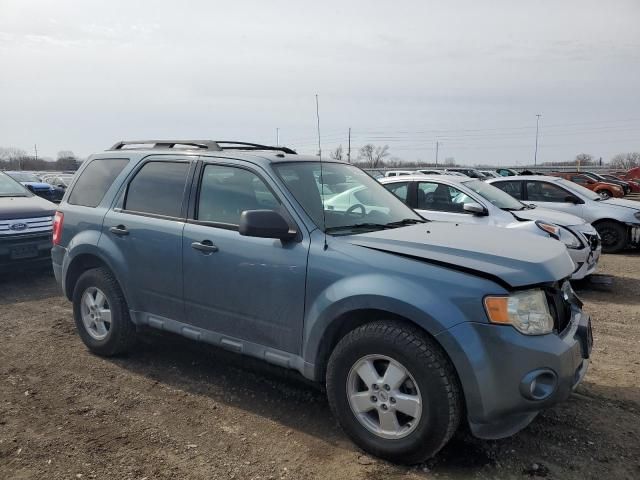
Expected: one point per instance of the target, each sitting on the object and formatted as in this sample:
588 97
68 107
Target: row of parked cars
594 198
607 185
48 185
415 326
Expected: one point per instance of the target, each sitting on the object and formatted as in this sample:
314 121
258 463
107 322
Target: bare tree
585 159
373 155
449 162
336 154
625 161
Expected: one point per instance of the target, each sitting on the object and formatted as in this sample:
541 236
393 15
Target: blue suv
413 327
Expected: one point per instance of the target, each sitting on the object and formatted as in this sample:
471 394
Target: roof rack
217 146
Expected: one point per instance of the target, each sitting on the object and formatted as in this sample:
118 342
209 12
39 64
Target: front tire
101 314
394 392
605 194
613 236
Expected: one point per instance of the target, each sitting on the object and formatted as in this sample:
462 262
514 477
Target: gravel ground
177 410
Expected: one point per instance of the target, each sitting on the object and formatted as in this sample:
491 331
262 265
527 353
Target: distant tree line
372 156
16 159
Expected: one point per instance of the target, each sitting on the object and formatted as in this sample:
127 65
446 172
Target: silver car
470 200
617 220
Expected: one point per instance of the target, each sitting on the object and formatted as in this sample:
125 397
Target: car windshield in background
10 188
24 177
494 195
580 189
353 201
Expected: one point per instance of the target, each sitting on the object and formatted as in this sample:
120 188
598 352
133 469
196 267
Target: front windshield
353 201
10 188
585 192
24 177
493 194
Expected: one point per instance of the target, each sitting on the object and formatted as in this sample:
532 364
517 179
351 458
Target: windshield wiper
405 221
358 226
507 209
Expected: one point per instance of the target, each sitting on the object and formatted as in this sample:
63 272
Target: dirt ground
177 410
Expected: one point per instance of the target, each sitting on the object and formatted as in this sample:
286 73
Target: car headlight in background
563 234
527 311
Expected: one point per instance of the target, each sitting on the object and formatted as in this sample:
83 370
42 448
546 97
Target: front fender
426 307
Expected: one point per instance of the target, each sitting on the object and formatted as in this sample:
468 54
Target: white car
429 172
469 200
397 173
617 220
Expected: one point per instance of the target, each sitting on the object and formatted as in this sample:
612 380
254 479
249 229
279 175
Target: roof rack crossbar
232 145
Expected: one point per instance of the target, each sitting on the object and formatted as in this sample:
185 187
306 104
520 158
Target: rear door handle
119 230
205 246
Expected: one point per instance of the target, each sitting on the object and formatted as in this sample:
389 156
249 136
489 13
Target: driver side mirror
265 224
590 182
475 208
572 199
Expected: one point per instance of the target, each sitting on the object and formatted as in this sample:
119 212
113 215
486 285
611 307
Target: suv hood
25 207
511 258
621 202
550 216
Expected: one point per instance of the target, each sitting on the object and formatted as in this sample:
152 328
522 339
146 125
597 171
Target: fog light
539 384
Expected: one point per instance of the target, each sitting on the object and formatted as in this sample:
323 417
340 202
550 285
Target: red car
633 184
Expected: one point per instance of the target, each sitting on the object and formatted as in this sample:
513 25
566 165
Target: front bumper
586 261
20 252
498 368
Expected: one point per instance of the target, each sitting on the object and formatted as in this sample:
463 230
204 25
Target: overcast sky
80 75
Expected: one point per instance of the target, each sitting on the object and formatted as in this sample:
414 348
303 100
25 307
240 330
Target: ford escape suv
413 327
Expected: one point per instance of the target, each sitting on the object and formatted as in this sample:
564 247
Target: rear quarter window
95 180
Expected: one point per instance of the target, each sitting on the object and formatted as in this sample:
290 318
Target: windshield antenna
324 219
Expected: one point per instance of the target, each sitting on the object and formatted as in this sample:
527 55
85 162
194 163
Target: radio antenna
324 218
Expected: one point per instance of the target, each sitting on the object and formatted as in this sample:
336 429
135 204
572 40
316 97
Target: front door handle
119 230
205 246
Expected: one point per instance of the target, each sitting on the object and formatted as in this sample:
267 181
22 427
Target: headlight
637 215
527 311
563 234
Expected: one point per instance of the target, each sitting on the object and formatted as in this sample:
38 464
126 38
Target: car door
245 289
551 195
442 202
143 235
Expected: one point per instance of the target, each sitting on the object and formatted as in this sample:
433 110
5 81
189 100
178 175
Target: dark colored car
469 172
25 227
37 186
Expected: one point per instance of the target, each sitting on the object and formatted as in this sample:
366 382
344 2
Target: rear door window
95 180
512 188
158 189
545 192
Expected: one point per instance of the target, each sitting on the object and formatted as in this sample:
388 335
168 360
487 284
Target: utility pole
437 148
349 149
35 147
535 154
277 137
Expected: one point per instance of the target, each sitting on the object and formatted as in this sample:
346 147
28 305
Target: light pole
437 148
535 154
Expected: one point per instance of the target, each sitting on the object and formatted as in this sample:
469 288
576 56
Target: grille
593 239
559 307
25 226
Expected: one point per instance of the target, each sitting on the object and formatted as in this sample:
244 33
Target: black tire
122 332
432 372
613 236
605 194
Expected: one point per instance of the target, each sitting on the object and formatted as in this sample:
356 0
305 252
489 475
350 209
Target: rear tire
613 236
101 313
426 415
